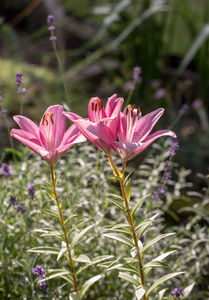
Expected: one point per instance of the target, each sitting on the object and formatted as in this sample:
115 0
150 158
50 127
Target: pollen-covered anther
101 105
92 106
44 119
132 110
138 111
95 107
127 109
51 118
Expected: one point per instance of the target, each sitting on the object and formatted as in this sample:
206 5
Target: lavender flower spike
19 79
6 170
136 72
13 200
177 293
31 190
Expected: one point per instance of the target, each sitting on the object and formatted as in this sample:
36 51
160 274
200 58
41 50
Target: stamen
92 106
51 118
138 111
132 110
95 107
102 104
44 119
127 109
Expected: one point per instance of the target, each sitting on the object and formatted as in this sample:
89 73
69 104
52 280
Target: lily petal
27 125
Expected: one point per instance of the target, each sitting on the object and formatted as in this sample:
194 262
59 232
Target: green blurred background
100 42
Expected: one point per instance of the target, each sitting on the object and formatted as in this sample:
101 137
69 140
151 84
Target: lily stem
129 217
64 229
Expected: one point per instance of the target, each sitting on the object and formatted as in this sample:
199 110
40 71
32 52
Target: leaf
118 204
56 273
188 289
94 261
129 278
64 202
70 217
140 292
155 240
135 250
122 264
44 249
121 238
74 296
52 214
143 226
138 203
63 250
82 258
116 196
161 280
119 228
161 294
88 283
79 236
127 177
50 192
155 263
49 232
128 190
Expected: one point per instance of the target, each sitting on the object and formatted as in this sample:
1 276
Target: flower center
97 107
48 123
132 116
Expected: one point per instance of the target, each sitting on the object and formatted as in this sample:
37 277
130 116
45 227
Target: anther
138 111
132 110
102 104
95 107
51 118
44 119
127 109
92 106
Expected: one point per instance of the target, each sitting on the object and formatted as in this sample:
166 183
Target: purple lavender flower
129 86
1 99
6 170
21 91
43 286
19 79
142 238
174 147
52 38
3 111
50 20
183 109
197 104
20 209
158 194
177 293
166 177
38 271
160 93
13 200
136 72
31 190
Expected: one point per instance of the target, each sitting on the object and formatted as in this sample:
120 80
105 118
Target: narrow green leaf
79 236
159 258
155 263
135 250
81 221
64 202
116 196
140 292
188 289
88 283
138 203
94 261
118 204
46 250
82 258
124 265
74 296
63 250
155 240
50 192
127 177
51 213
120 228
55 273
161 280
70 217
129 278
128 190
161 294
56 180
121 238
49 183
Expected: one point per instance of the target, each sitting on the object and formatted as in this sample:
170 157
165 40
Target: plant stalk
64 230
130 219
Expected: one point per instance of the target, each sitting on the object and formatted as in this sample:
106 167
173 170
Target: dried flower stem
129 218
64 229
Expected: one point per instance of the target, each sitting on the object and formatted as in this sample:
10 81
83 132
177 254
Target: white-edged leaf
50 192
128 190
117 203
135 250
123 264
79 236
44 249
155 263
63 250
129 278
64 202
55 273
94 261
70 217
82 258
140 293
188 289
159 258
161 280
88 283
116 196
161 294
121 238
74 296
138 203
155 240
51 213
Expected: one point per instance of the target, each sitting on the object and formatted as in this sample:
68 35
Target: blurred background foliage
100 42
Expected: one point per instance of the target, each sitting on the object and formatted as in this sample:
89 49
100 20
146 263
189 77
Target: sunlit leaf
161 294
118 204
188 289
70 217
88 283
161 280
79 235
74 296
128 190
55 273
155 240
140 292
63 250
116 196
138 203
123 264
51 213
94 261
129 278
119 237
44 249
50 192
64 202
82 258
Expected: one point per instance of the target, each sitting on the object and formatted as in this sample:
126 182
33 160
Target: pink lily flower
102 127
49 140
134 133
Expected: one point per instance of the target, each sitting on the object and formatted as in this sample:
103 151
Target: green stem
60 67
129 218
130 94
64 230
